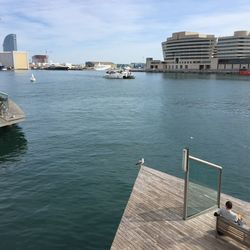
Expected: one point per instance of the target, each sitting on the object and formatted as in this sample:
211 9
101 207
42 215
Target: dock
153 217
10 112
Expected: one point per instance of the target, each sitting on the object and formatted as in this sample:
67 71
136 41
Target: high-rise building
189 51
10 43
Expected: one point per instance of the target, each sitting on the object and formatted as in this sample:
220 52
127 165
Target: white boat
119 74
32 78
127 74
2 68
114 74
100 66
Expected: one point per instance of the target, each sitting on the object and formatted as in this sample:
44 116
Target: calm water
66 173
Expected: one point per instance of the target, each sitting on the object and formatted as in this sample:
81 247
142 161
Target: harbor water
67 171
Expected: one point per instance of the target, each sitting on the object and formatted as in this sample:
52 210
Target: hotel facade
192 51
189 51
233 52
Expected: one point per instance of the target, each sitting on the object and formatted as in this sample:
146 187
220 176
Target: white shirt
228 214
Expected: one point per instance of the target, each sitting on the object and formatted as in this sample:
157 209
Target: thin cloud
114 30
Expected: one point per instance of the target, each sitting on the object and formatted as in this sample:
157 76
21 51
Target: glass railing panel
202 188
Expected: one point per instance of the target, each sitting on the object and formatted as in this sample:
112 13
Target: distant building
137 65
40 59
155 65
233 52
14 60
10 43
189 51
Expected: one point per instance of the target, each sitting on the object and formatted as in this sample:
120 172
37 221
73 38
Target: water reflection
12 142
195 76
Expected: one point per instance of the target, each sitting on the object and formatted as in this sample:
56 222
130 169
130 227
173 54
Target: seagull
140 162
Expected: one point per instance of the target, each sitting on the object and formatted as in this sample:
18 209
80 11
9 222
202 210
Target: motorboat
114 74
3 68
119 74
32 78
100 66
127 74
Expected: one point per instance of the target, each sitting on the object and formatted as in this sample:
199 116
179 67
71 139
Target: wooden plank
153 217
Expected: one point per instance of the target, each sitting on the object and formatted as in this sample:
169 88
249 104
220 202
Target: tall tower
9 43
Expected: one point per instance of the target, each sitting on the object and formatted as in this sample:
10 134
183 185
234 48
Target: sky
124 31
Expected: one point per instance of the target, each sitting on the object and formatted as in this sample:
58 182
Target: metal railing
186 168
4 104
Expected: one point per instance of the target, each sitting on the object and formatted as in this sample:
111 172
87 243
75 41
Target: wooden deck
153 218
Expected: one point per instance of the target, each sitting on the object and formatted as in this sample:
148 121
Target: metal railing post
219 188
185 166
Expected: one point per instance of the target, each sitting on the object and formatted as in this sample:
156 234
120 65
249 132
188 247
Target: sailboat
32 78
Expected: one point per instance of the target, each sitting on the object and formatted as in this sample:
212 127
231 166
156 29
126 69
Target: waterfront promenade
153 217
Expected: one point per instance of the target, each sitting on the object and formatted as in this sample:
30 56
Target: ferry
57 67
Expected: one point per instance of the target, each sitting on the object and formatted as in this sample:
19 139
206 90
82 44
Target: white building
189 51
233 52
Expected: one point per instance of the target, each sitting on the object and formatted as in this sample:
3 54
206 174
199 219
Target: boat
2 68
57 67
245 72
114 74
127 74
100 66
119 74
32 78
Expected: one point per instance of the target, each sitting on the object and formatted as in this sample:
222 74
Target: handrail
205 162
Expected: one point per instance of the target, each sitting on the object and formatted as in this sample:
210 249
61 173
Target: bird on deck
140 162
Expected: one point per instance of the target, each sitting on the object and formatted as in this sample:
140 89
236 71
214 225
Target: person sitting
228 214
